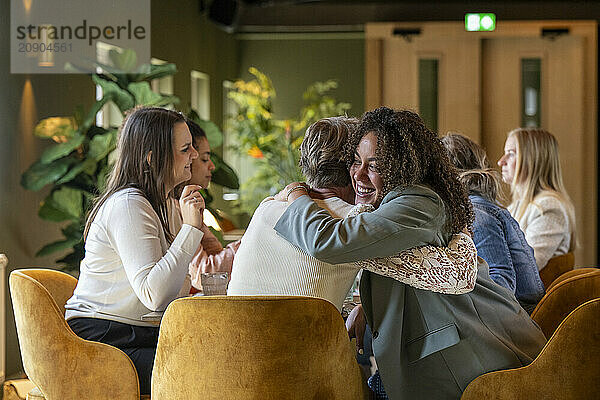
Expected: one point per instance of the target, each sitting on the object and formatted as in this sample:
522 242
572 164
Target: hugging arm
393 241
403 222
448 269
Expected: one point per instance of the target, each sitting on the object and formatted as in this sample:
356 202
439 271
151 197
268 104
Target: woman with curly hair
428 345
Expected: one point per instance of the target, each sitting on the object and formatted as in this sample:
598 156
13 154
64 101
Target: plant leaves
143 94
57 246
123 99
61 205
39 175
101 145
103 177
72 260
73 231
125 59
62 149
90 118
156 72
88 165
213 133
223 174
59 127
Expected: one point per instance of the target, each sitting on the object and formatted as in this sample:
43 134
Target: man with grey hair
267 264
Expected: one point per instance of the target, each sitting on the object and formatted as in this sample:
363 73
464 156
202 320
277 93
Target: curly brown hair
409 153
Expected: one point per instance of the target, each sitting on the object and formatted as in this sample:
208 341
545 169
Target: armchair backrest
556 267
61 364
564 297
566 368
263 347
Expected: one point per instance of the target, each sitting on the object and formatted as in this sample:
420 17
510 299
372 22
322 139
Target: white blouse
547 227
129 268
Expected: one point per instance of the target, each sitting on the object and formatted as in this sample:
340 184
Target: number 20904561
41 47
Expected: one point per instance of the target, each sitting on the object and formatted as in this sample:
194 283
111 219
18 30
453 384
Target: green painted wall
293 64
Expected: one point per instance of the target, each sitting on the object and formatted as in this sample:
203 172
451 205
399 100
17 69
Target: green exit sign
476 22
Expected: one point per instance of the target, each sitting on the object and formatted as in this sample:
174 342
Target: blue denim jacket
501 242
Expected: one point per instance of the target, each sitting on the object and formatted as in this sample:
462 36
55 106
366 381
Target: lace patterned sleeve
448 270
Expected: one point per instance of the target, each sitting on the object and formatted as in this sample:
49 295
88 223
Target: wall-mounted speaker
224 13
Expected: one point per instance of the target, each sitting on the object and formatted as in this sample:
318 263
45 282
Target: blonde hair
322 152
538 170
474 169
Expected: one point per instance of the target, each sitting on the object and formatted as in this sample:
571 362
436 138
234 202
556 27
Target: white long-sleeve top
547 227
129 268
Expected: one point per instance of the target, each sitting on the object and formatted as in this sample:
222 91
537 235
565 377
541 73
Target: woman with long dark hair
427 345
137 243
210 256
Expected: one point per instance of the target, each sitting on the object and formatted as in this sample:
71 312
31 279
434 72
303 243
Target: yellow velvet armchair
242 348
556 267
566 368
564 297
61 364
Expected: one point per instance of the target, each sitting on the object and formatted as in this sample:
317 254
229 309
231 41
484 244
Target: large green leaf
90 118
213 133
73 231
57 246
39 175
62 149
125 59
103 177
88 166
223 174
119 96
154 71
72 260
61 127
145 96
62 205
101 145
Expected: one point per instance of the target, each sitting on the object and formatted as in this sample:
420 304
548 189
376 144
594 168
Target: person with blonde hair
540 203
497 236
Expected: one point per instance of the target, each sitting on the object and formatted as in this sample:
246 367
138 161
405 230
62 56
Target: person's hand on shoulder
192 206
292 191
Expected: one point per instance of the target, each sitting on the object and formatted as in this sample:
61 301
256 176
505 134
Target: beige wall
179 34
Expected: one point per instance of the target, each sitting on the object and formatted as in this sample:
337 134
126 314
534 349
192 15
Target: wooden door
562 105
479 91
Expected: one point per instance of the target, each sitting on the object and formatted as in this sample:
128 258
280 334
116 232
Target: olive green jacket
427 345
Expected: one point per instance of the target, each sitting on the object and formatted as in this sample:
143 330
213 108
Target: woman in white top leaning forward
137 245
540 203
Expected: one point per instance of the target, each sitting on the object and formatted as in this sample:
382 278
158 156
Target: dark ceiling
255 15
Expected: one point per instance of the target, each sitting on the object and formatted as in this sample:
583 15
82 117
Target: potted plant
76 166
273 143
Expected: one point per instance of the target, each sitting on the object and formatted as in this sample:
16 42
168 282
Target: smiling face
202 167
366 181
183 153
508 161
